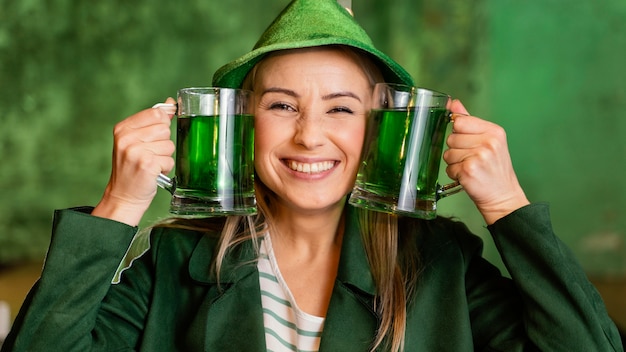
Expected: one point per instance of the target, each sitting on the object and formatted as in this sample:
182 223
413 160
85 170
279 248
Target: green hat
309 23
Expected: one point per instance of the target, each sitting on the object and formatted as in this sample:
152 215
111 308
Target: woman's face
309 126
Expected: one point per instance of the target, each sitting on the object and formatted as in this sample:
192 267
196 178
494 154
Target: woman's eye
341 109
281 106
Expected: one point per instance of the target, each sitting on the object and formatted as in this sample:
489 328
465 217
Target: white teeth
311 168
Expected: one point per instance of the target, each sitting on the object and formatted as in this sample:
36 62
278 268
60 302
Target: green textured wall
557 74
551 73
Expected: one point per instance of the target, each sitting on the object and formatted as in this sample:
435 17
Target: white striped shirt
287 327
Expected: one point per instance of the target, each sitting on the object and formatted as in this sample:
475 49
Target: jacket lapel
230 317
351 322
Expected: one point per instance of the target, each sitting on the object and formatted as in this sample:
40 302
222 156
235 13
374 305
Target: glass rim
413 89
208 89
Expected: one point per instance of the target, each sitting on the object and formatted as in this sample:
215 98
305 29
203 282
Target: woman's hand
478 157
142 149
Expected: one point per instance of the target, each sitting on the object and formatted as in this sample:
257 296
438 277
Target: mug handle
448 190
454 187
168 184
169 109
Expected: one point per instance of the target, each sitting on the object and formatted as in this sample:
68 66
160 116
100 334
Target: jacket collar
237 264
353 268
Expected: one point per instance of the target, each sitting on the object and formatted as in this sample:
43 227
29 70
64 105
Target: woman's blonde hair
393 259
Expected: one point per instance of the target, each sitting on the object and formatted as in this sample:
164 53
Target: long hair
394 262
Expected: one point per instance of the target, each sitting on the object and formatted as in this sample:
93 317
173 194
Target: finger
126 137
145 125
454 171
469 166
161 115
160 148
465 141
144 118
169 107
482 147
151 157
454 156
467 124
152 133
457 107
166 164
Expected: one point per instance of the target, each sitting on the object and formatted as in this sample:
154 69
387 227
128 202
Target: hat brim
232 74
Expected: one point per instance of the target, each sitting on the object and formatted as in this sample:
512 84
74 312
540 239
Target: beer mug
402 151
214 169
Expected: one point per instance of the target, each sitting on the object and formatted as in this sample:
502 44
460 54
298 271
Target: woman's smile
310 168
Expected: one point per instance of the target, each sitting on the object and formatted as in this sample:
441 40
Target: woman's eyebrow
325 97
340 95
280 90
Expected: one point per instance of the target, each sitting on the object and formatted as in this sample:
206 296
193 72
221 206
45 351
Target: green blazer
167 300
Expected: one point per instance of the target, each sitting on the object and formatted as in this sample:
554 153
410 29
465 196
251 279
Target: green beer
214 162
401 158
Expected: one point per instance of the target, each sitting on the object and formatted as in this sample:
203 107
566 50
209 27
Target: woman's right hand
142 149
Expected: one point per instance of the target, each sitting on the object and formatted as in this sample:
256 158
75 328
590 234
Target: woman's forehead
324 62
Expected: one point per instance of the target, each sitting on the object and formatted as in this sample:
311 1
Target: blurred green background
551 72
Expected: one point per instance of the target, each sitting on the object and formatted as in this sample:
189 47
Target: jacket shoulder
172 242
441 237
184 237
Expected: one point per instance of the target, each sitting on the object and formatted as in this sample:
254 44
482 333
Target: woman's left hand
478 157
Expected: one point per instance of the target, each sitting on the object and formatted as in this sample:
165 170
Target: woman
310 272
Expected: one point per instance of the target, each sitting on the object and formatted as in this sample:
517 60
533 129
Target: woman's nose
309 132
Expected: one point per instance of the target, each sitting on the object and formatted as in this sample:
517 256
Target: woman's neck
308 232
307 249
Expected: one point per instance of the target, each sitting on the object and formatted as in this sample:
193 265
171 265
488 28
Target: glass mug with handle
402 152
214 168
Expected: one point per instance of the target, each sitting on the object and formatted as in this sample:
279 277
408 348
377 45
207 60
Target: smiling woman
311 112
310 272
